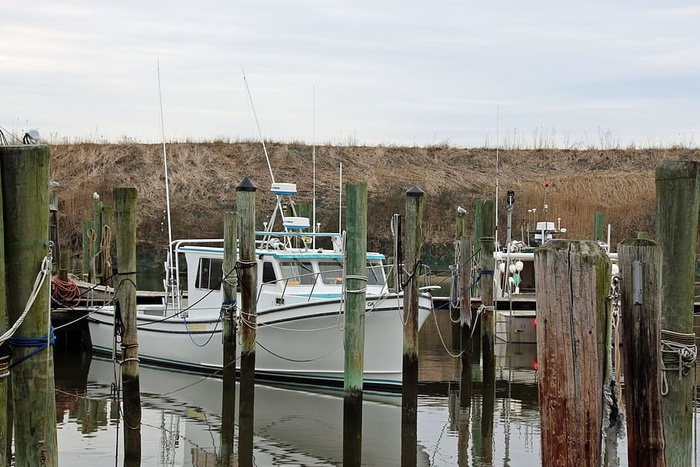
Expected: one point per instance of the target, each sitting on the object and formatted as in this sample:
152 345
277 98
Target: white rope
678 353
38 282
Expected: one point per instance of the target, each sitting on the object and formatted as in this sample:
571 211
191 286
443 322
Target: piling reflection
182 421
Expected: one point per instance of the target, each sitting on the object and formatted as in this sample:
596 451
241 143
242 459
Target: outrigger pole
257 124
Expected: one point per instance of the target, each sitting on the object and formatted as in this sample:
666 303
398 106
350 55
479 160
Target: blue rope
187 327
39 342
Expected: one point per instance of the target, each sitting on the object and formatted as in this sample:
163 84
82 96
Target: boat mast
172 274
313 164
257 124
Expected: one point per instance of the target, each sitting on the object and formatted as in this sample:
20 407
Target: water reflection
299 426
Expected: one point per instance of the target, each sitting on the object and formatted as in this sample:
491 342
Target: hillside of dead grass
203 178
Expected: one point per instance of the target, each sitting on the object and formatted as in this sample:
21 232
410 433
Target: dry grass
203 177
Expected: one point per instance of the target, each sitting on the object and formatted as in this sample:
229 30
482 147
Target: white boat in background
300 308
514 284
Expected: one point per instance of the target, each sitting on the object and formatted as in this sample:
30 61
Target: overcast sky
466 73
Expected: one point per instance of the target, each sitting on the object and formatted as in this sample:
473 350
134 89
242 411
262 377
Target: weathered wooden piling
5 355
25 193
125 291
677 188
465 309
228 317
573 345
412 265
640 270
97 254
355 292
106 241
245 199
87 227
599 226
487 263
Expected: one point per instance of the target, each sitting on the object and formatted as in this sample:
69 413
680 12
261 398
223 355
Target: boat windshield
331 271
375 273
297 272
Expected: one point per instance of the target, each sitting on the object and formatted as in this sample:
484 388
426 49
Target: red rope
65 291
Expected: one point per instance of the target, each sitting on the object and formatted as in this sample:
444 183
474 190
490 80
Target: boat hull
302 342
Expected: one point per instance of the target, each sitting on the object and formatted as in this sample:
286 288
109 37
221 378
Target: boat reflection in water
181 414
292 426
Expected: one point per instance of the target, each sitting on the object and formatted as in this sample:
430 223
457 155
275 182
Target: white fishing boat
300 308
514 284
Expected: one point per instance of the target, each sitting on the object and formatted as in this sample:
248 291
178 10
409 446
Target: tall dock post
464 266
25 193
409 390
677 187
245 198
125 290
5 355
97 254
599 226
573 349
228 316
488 329
640 270
355 304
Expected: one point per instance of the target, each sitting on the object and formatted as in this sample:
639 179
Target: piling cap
414 191
246 185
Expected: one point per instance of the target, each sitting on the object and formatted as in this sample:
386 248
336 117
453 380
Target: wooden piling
228 317
573 345
355 293
487 263
640 264
105 242
245 199
125 291
87 226
412 265
97 222
25 193
677 188
599 226
5 355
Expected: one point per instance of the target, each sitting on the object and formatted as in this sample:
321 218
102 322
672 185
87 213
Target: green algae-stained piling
573 345
25 192
245 199
228 316
355 292
488 355
640 270
5 417
488 331
599 226
677 187
125 203
412 264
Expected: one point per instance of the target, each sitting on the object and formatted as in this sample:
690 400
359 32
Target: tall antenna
257 124
313 164
165 162
340 200
497 171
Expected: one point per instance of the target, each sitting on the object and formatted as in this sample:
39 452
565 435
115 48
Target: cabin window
375 273
210 274
269 276
297 272
331 271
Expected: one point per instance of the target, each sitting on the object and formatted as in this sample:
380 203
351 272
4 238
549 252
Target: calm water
301 427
